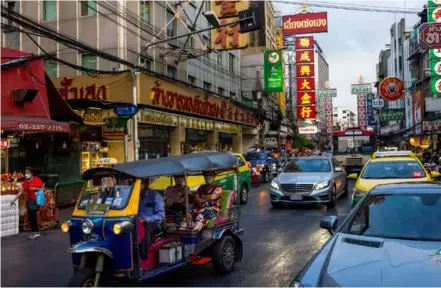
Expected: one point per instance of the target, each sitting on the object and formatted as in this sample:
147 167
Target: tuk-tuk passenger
151 209
207 200
175 195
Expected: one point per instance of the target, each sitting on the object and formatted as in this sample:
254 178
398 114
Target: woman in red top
31 185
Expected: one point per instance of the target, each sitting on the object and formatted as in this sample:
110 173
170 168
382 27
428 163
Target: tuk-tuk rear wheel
224 255
84 277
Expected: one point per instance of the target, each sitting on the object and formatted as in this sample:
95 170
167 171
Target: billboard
273 70
229 37
308 130
305 23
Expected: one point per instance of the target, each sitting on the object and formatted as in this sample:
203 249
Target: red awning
34 124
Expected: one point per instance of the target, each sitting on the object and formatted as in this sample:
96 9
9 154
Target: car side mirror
435 174
353 176
329 223
338 169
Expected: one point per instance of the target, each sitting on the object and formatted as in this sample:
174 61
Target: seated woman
175 196
207 201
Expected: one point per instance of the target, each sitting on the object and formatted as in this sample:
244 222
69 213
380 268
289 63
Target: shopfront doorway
154 141
196 140
225 142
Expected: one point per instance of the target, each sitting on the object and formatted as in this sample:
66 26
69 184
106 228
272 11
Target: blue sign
127 110
370 110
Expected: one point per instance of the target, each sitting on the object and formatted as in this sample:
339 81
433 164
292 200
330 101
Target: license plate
296 197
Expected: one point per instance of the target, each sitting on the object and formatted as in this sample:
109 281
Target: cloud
354 41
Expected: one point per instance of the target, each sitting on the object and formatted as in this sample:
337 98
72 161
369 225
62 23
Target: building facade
196 106
344 118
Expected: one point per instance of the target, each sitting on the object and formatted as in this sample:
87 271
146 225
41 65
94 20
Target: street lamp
212 19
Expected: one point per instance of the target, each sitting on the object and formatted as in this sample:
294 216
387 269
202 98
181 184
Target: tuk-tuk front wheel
84 277
224 255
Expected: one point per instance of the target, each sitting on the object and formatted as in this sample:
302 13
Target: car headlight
296 284
321 185
275 185
87 226
358 193
65 226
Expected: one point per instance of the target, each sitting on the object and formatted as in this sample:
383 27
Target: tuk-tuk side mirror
353 176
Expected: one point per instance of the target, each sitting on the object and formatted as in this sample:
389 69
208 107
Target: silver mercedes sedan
309 180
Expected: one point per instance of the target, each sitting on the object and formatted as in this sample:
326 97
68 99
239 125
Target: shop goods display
9 216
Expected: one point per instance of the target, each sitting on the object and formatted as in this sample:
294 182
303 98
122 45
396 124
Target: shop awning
33 124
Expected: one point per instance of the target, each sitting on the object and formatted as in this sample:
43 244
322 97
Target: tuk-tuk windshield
110 191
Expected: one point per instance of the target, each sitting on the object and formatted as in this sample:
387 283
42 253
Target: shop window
196 140
206 40
144 11
207 5
231 62
220 91
49 10
88 61
219 58
145 62
192 80
172 72
51 68
207 86
225 142
88 8
171 26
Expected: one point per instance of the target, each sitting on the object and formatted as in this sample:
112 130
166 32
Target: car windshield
308 165
393 170
107 193
250 156
399 216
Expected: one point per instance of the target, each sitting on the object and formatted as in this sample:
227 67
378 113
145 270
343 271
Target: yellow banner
281 95
228 37
114 88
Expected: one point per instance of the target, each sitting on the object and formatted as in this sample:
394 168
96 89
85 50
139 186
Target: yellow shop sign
152 117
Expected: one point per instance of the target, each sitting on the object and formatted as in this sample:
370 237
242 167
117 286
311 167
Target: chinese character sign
305 70
370 109
273 71
306 112
328 114
434 16
361 109
305 84
305 42
305 98
305 56
228 37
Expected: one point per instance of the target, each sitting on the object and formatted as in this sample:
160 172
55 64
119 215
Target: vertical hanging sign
434 16
328 112
273 70
305 78
370 110
361 105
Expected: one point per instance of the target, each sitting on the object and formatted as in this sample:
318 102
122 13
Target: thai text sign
115 127
305 23
430 36
308 130
175 97
305 42
273 71
228 37
305 70
153 117
392 114
305 112
361 89
328 93
115 88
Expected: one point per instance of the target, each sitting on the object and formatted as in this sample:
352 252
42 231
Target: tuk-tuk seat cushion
224 214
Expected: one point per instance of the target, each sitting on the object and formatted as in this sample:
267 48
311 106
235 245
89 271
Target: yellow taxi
389 167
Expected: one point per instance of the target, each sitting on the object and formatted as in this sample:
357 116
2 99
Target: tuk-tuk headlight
87 226
65 226
123 227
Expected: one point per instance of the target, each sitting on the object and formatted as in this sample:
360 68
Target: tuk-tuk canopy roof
174 165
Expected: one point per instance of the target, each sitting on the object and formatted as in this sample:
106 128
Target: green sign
328 93
435 84
392 114
361 88
115 127
433 3
434 14
273 69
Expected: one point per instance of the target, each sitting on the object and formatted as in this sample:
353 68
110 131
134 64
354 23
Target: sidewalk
40 262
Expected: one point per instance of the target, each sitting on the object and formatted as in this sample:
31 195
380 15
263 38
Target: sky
354 41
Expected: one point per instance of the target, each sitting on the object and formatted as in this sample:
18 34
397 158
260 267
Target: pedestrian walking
31 185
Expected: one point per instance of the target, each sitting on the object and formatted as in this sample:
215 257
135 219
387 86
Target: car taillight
417 174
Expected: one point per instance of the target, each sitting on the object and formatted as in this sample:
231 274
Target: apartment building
344 117
125 29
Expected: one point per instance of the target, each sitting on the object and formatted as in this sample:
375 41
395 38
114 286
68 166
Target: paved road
277 244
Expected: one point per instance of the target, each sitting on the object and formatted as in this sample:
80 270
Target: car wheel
224 255
275 204
244 194
331 204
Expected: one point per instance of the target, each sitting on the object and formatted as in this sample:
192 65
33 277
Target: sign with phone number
55 128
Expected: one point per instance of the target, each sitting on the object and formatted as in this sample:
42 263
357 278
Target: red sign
305 42
4 143
430 36
305 56
305 70
391 88
305 23
305 98
306 84
329 114
361 108
306 112
92 92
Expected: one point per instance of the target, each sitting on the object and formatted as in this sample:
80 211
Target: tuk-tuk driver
151 210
